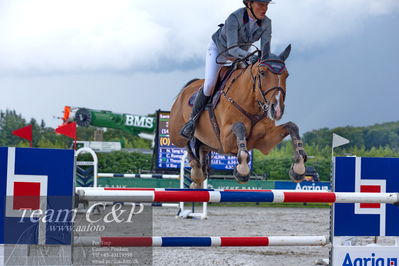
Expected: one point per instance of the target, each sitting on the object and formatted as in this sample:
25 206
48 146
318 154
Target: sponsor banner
287 185
355 174
120 182
37 185
366 255
139 121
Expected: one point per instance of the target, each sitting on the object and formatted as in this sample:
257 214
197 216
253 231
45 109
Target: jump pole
234 196
178 189
202 241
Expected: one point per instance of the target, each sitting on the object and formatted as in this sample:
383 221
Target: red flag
68 130
25 133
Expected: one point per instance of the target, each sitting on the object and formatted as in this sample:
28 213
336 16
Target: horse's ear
265 51
284 55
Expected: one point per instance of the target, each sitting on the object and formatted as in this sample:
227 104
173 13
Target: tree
10 121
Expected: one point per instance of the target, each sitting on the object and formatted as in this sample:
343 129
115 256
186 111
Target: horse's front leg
242 170
297 171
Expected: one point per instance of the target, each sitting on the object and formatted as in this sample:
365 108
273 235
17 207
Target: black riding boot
199 105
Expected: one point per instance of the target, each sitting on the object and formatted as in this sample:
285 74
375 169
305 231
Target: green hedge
274 168
121 162
278 168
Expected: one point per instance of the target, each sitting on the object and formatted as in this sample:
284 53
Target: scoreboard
168 156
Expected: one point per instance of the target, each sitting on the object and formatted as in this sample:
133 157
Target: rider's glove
253 59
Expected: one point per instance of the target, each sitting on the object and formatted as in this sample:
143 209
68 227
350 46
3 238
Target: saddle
223 75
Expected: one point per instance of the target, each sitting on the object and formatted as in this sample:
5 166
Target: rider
242 28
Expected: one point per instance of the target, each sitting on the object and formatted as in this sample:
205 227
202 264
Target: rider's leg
211 73
199 104
211 68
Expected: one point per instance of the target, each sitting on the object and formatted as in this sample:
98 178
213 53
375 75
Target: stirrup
188 129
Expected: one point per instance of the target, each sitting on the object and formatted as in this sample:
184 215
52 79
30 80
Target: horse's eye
262 72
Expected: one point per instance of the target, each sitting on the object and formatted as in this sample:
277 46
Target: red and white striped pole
202 241
234 196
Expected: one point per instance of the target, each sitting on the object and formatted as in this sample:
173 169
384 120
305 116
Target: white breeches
211 68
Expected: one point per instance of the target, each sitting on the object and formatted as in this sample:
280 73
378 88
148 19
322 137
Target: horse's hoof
197 175
242 179
296 177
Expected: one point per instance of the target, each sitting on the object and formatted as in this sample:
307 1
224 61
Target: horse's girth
253 118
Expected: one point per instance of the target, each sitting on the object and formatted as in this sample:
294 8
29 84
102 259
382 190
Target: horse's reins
264 106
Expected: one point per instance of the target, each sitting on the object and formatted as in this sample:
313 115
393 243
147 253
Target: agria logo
371 261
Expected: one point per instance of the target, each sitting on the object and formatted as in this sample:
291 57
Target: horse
244 118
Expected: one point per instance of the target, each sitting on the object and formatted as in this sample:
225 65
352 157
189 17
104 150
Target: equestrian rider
242 28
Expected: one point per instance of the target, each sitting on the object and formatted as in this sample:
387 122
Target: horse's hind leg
242 170
297 171
196 173
205 162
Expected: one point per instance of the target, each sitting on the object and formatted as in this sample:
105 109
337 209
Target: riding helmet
262 1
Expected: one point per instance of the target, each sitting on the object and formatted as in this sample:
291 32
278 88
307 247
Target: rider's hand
253 59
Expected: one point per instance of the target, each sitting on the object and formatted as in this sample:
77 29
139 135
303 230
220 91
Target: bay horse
249 104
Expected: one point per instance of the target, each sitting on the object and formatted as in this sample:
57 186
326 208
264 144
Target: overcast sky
133 56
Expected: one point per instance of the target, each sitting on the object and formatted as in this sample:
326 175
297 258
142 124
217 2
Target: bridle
275 65
265 104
